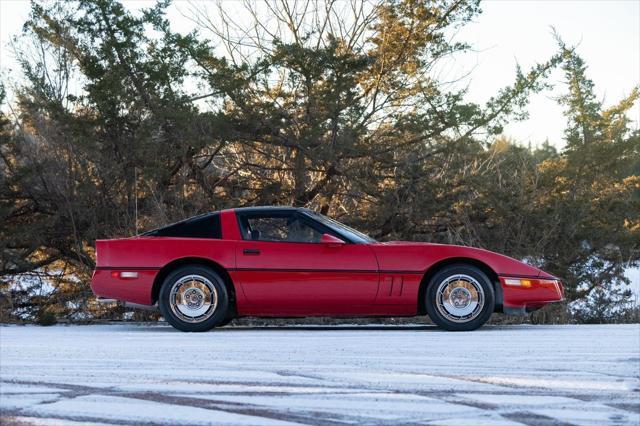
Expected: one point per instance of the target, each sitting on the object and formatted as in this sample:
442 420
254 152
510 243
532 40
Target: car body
293 262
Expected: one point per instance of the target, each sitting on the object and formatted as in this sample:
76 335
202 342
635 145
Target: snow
634 277
152 374
136 410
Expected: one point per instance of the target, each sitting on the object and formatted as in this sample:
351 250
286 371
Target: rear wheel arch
175 264
438 266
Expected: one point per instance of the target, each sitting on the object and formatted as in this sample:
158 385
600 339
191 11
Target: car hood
411 253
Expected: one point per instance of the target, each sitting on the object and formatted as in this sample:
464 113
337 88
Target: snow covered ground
151 374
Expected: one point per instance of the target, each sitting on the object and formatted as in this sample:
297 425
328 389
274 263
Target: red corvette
293 262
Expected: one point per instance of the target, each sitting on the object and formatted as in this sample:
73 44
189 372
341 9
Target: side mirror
331 241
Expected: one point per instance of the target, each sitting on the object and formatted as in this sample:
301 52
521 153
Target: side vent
391 286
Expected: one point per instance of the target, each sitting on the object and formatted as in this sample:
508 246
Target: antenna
135 194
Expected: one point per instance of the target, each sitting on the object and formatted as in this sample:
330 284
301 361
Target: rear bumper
523 294
127 285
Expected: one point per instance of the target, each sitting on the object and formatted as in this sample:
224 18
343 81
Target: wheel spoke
193 298
460 298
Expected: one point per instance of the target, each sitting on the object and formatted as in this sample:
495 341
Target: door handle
251 252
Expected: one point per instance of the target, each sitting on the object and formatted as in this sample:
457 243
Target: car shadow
164 327
329 328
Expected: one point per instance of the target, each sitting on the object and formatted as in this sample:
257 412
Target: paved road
140 374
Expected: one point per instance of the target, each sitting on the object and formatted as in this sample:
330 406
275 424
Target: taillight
124 275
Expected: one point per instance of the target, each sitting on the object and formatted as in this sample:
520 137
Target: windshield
353 234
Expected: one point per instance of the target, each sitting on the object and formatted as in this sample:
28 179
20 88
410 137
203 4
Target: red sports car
293 262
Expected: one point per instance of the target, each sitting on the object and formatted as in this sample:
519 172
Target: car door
284 269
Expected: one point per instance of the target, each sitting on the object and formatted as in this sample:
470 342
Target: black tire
444 316
213 318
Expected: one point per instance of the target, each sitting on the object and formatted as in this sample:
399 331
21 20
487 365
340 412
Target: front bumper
523 294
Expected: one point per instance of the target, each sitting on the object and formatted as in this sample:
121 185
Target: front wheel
194 298
460 298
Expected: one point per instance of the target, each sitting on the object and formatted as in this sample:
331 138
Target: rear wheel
460 298
194 298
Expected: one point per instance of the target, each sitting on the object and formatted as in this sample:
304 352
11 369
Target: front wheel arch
438 266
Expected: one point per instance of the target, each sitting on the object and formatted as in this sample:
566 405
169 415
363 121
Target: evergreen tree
122 124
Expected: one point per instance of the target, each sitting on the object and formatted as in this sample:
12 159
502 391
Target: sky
507 33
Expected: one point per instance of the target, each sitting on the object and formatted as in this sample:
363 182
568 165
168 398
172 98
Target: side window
279 227
299 231
268 228
205 226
